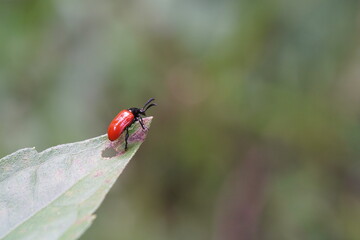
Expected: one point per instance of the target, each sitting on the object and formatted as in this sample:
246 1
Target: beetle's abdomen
119 123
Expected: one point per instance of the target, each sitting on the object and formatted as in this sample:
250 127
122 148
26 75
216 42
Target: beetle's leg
142 123
126 138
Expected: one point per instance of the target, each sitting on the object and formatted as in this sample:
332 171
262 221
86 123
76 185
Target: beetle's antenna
151 105
144 110
149 101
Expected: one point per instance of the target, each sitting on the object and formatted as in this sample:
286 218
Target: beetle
125 118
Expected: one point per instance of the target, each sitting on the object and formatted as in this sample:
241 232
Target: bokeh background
257 130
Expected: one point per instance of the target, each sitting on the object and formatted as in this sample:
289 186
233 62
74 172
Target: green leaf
53 194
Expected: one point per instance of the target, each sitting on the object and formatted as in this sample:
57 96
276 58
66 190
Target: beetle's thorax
135 111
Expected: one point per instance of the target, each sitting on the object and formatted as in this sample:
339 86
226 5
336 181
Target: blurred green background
257 130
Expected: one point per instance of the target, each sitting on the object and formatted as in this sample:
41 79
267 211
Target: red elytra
125 119
119 123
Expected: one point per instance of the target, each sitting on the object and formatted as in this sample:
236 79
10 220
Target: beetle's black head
141 111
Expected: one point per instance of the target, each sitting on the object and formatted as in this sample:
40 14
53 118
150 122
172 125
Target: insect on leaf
53 194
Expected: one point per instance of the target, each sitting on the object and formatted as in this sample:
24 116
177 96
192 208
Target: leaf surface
53 194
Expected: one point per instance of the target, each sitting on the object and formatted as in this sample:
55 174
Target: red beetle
125 119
